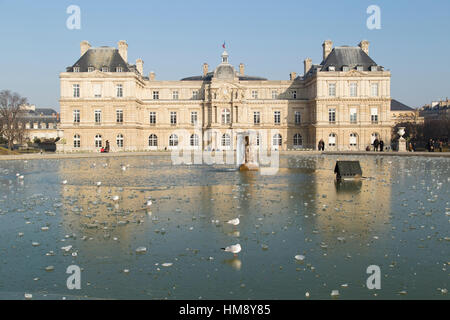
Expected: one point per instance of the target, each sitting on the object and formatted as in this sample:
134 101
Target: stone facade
345 101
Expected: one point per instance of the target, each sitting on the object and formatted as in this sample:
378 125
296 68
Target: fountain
401 140
245 142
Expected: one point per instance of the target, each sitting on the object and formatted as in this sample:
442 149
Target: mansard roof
99 58
350 57
398 106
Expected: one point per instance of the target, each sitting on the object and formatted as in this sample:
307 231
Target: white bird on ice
99 183
124 168
234 222
64 182
235 248
116 198
149 203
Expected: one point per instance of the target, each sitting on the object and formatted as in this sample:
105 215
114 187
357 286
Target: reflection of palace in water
358 207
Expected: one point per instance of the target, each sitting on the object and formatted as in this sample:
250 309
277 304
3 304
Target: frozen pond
397 219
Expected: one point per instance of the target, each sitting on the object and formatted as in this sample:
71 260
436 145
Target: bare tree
12 129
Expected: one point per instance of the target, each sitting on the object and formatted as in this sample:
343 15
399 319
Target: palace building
345 101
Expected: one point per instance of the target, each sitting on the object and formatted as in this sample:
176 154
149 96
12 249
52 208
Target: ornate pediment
354 73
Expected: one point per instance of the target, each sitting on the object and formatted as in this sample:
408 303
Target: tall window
153 140
119 91
274 94
226 141
277 117
119 116
195 94
173 140
226 116
254 94
353 89
294 94
353 139
105 69
298 140
173 117
76 69
332 115
256 117
152 117
119 140
98 141
119 69
194 117
76 90
332 139
91 69
175 95
194 140
332 89
374 90
353 115
155 95
98 116
276 140
76 116
76 141
374 115
298 117
97 87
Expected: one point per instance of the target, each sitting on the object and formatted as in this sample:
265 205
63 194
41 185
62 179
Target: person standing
440 145
321 145
381 145
376 143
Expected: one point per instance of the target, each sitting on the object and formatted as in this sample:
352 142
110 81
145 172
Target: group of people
378 144
434 145
106 148
321 145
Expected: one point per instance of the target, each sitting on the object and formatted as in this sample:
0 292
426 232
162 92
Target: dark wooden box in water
347 169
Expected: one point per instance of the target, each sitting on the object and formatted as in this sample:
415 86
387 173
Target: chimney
327 47
152 76
308 64
364 45
292 75
84 46
205 69
123 49
241 69
140 66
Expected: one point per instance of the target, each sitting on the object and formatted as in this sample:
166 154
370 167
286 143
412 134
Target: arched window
173 140
194 140
226 116
76 141
298 140
98 141
226 141
152 140
353 139
119 140
332 139
276 140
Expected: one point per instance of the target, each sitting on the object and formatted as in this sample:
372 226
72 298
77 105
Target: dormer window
373 68
90 69
105 69
359 68
76 69
345 68
119 69
331 68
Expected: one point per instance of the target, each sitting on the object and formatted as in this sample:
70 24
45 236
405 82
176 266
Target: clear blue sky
271 38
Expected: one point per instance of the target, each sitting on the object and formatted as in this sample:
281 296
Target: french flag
223 46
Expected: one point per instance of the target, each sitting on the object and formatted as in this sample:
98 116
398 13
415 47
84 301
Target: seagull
116 198
149 203
124 168
99 183
235 248
64 182
234 222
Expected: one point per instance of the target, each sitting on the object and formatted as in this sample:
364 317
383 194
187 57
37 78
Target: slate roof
348 56
398 106
210 75
101 57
